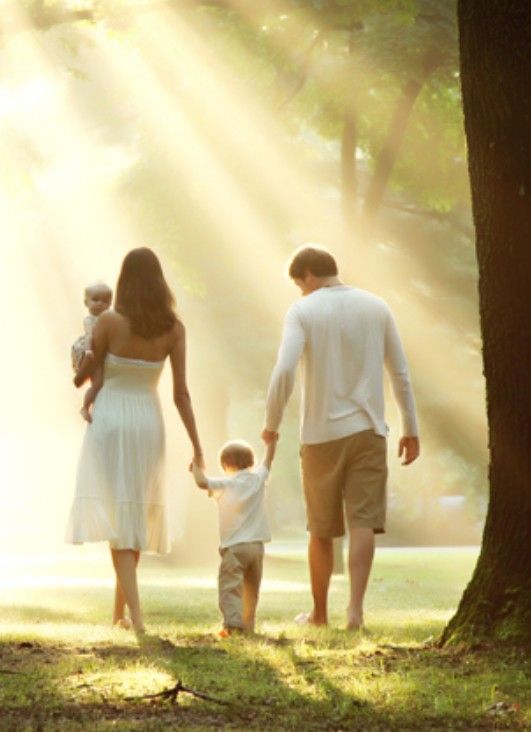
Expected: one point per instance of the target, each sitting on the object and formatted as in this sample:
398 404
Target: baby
98 297
243 529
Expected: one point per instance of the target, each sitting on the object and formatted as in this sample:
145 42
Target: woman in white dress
119 490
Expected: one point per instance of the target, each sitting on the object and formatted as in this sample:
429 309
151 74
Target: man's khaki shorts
345 477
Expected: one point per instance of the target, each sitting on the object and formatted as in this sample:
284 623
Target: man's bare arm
409 449
270 451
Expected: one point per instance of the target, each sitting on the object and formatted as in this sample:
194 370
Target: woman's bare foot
309 619
124 623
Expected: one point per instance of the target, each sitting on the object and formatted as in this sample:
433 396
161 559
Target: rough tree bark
495 38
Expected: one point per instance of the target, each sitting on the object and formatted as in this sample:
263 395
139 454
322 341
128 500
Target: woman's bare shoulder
110 320
110 316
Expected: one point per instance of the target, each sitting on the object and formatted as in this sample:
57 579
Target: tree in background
366 65
360 70
495 38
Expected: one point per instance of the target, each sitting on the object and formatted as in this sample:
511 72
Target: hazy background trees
341 125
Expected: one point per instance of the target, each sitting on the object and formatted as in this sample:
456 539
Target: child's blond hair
236 454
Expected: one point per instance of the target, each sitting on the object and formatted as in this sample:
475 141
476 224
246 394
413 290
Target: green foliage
368 52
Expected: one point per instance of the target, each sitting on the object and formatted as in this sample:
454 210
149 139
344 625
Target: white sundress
120 496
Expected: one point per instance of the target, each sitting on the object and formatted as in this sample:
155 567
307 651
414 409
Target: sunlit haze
114 138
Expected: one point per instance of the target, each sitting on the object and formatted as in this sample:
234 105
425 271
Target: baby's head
98 297
236 455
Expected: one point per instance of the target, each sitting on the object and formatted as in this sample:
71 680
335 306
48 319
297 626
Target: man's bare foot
85 413
124 623
309 619
354 620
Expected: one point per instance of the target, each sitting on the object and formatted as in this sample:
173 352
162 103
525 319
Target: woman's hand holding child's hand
196 468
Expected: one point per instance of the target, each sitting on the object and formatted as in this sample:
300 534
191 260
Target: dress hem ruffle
124 524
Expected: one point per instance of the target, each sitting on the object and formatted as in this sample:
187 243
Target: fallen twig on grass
174 692
8 671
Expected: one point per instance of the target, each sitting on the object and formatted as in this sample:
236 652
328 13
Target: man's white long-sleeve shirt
343 337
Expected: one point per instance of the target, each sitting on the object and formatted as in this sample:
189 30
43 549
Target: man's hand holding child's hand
268 437
199 476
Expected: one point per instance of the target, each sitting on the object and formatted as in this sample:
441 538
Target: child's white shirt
240 498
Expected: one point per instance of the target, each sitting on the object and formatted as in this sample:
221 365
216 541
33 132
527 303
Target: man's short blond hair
236 454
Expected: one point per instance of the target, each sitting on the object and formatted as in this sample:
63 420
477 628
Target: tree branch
388 155
45 18
447 218
173 693
289 83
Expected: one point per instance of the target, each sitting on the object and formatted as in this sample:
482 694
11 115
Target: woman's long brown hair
143 295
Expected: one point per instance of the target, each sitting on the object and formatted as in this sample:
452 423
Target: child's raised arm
270 452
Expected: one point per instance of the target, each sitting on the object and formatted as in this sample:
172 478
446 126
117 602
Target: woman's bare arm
181 396
199 476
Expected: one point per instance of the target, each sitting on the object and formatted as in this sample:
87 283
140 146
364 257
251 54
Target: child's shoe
227 632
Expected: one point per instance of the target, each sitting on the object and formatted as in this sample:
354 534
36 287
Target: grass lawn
63 668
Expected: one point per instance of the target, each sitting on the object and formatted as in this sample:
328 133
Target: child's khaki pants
240 573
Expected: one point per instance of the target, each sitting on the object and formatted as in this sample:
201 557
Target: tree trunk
349 187
290 81
386 160
495 38
349 178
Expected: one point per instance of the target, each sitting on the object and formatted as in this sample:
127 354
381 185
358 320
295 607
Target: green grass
63 668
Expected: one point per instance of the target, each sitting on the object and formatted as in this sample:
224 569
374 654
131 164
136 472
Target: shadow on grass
326 681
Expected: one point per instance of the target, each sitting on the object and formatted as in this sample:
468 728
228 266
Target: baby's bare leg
88 401
91 394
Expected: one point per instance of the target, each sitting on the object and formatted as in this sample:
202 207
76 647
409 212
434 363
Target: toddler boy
243 529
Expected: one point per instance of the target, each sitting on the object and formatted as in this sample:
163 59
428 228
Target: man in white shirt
343 336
